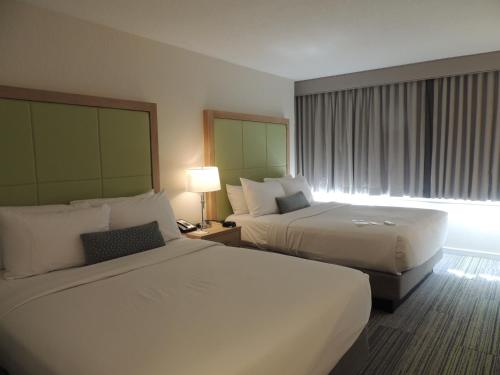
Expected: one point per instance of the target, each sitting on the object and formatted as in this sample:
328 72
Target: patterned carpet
450 325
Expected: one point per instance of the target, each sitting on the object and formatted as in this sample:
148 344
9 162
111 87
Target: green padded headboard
57 147
242 145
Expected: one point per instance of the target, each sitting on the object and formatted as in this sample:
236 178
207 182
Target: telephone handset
185 226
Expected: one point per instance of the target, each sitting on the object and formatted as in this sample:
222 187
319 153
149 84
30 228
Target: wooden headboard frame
8 92
209 152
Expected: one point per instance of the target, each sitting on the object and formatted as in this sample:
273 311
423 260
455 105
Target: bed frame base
353 361
390 291
390 306
386 305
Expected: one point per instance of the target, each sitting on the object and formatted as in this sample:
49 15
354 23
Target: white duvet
351 235
191 307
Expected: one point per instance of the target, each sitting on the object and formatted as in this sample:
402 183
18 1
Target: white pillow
237 199
293 185
132 212
261 196
36 243
34 209
99 201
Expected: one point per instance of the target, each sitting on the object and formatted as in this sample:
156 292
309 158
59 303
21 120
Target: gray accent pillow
292 202
102 246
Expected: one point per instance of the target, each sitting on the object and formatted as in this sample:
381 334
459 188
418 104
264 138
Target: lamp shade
202 179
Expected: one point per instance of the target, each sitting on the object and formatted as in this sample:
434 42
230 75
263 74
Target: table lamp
202 180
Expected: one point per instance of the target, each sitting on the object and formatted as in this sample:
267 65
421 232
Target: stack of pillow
39 239
274 195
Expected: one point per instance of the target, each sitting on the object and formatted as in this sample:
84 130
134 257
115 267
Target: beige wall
412 72
45 50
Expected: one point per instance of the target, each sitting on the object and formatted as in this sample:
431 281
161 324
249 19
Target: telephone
185 226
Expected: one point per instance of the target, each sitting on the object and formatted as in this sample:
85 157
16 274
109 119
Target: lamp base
205 224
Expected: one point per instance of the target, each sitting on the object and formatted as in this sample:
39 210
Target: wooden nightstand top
215 229
219 234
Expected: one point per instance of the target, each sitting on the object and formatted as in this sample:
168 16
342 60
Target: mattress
191 307
351 235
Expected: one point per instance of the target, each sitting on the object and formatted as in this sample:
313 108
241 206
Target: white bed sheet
254 229
326 232
191 307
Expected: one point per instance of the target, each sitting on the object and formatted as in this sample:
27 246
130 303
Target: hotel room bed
107 285
192 307
397 256
249 149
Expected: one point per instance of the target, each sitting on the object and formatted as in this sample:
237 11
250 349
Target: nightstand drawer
230 238
217 233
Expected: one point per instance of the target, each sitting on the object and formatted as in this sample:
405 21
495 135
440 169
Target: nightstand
217 233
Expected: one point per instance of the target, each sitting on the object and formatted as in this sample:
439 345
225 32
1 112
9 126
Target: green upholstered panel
16 145
64 192
228 138
276 145
125 143
66 141
55 153
256 174
125 186
19 195
275 172
254 145
247 149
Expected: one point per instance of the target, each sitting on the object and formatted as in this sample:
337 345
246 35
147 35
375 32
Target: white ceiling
301 39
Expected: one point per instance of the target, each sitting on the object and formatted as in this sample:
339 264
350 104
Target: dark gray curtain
368 140
436 138
466 137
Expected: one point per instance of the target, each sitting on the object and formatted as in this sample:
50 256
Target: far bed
397 257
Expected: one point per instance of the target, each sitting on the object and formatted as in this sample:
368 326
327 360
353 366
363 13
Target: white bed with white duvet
188 307
396 246
385 239
193 307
